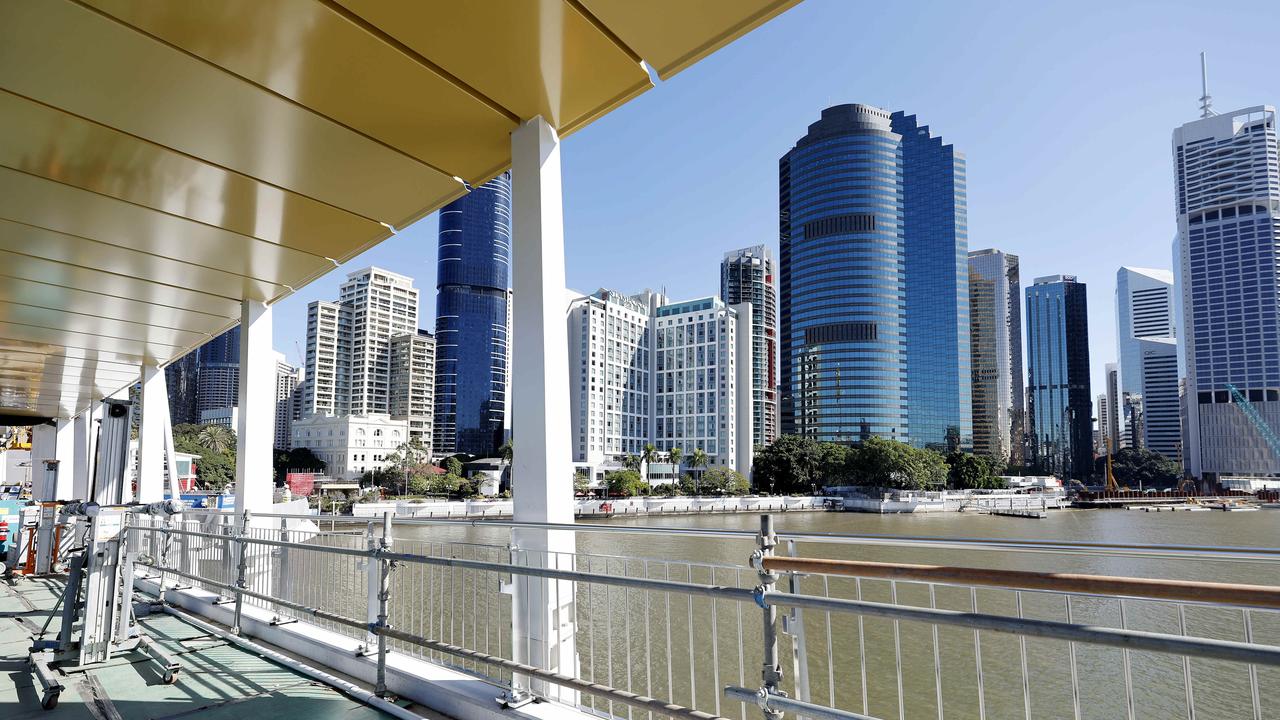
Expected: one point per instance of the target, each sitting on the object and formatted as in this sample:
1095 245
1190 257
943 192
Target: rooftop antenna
1206 101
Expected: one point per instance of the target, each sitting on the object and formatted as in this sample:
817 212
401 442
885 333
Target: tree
896 465
624 483
832 463
698 460
724 481
648 457
581 482
453 466
1140 468
216 471
789 464
217 438
973 472
631 462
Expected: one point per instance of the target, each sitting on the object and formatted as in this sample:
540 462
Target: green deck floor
218 680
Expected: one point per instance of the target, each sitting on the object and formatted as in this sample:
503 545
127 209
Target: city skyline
627 204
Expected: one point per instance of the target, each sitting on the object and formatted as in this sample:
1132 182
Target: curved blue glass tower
472 281
843 290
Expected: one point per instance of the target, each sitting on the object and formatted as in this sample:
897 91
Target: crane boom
1259 424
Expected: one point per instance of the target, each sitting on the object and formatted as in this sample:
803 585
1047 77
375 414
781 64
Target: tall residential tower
749 276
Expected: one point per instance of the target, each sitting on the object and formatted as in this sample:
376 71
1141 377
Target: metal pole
384 594
770 669
241 567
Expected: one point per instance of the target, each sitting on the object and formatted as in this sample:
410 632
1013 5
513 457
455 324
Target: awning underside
161 161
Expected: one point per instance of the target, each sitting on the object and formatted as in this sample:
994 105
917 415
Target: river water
684 649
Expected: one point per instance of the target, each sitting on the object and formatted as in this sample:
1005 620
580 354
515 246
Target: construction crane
1112 485
1259 424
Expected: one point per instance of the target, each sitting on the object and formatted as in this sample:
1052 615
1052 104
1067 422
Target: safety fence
821 637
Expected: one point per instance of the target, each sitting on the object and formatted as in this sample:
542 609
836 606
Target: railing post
165 545
242 564
384 594
771 668
373 570
283 565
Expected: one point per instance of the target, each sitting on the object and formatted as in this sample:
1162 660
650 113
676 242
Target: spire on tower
1206 101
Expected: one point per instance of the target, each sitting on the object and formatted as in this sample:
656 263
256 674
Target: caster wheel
49 701
171 678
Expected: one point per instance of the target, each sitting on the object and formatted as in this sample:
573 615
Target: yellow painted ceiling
162 160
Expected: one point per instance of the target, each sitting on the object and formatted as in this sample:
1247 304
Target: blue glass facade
874 292
472 282
207 378
843 292
1059 404
935 228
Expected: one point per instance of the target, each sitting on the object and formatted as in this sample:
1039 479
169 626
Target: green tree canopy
1139 467
883 463
973 472
723 481
625 483
787 465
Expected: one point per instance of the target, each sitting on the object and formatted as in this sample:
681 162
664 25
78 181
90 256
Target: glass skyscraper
1059 400
874 283
207 378
1227 190
995 316
935 227
1145 338
472 282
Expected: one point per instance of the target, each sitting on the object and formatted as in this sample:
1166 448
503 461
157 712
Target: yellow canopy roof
161 160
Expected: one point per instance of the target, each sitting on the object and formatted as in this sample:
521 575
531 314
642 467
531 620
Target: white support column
542 466
65 452
155 415
44 446
83 457
255 429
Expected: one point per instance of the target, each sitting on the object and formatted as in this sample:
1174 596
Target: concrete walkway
218 680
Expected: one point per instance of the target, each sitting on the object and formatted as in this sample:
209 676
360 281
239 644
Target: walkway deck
218 680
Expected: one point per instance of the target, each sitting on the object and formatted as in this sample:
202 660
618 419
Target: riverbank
598 508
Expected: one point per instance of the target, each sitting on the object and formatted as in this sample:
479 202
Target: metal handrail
1262 596
1123 638
1137 550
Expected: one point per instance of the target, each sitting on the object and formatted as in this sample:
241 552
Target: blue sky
1064 111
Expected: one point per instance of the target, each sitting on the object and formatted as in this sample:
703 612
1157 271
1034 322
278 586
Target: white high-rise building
1146 339
366 356
287 379
413 358
1227 200
1115 399
749 275
643 370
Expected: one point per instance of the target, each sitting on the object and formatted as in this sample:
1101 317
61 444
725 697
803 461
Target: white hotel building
645 370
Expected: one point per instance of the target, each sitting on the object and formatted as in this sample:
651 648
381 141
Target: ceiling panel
75 251
27 292
673 34
312 54
42 141
42 203
31 315
162 290
80 61
533 57
145 350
